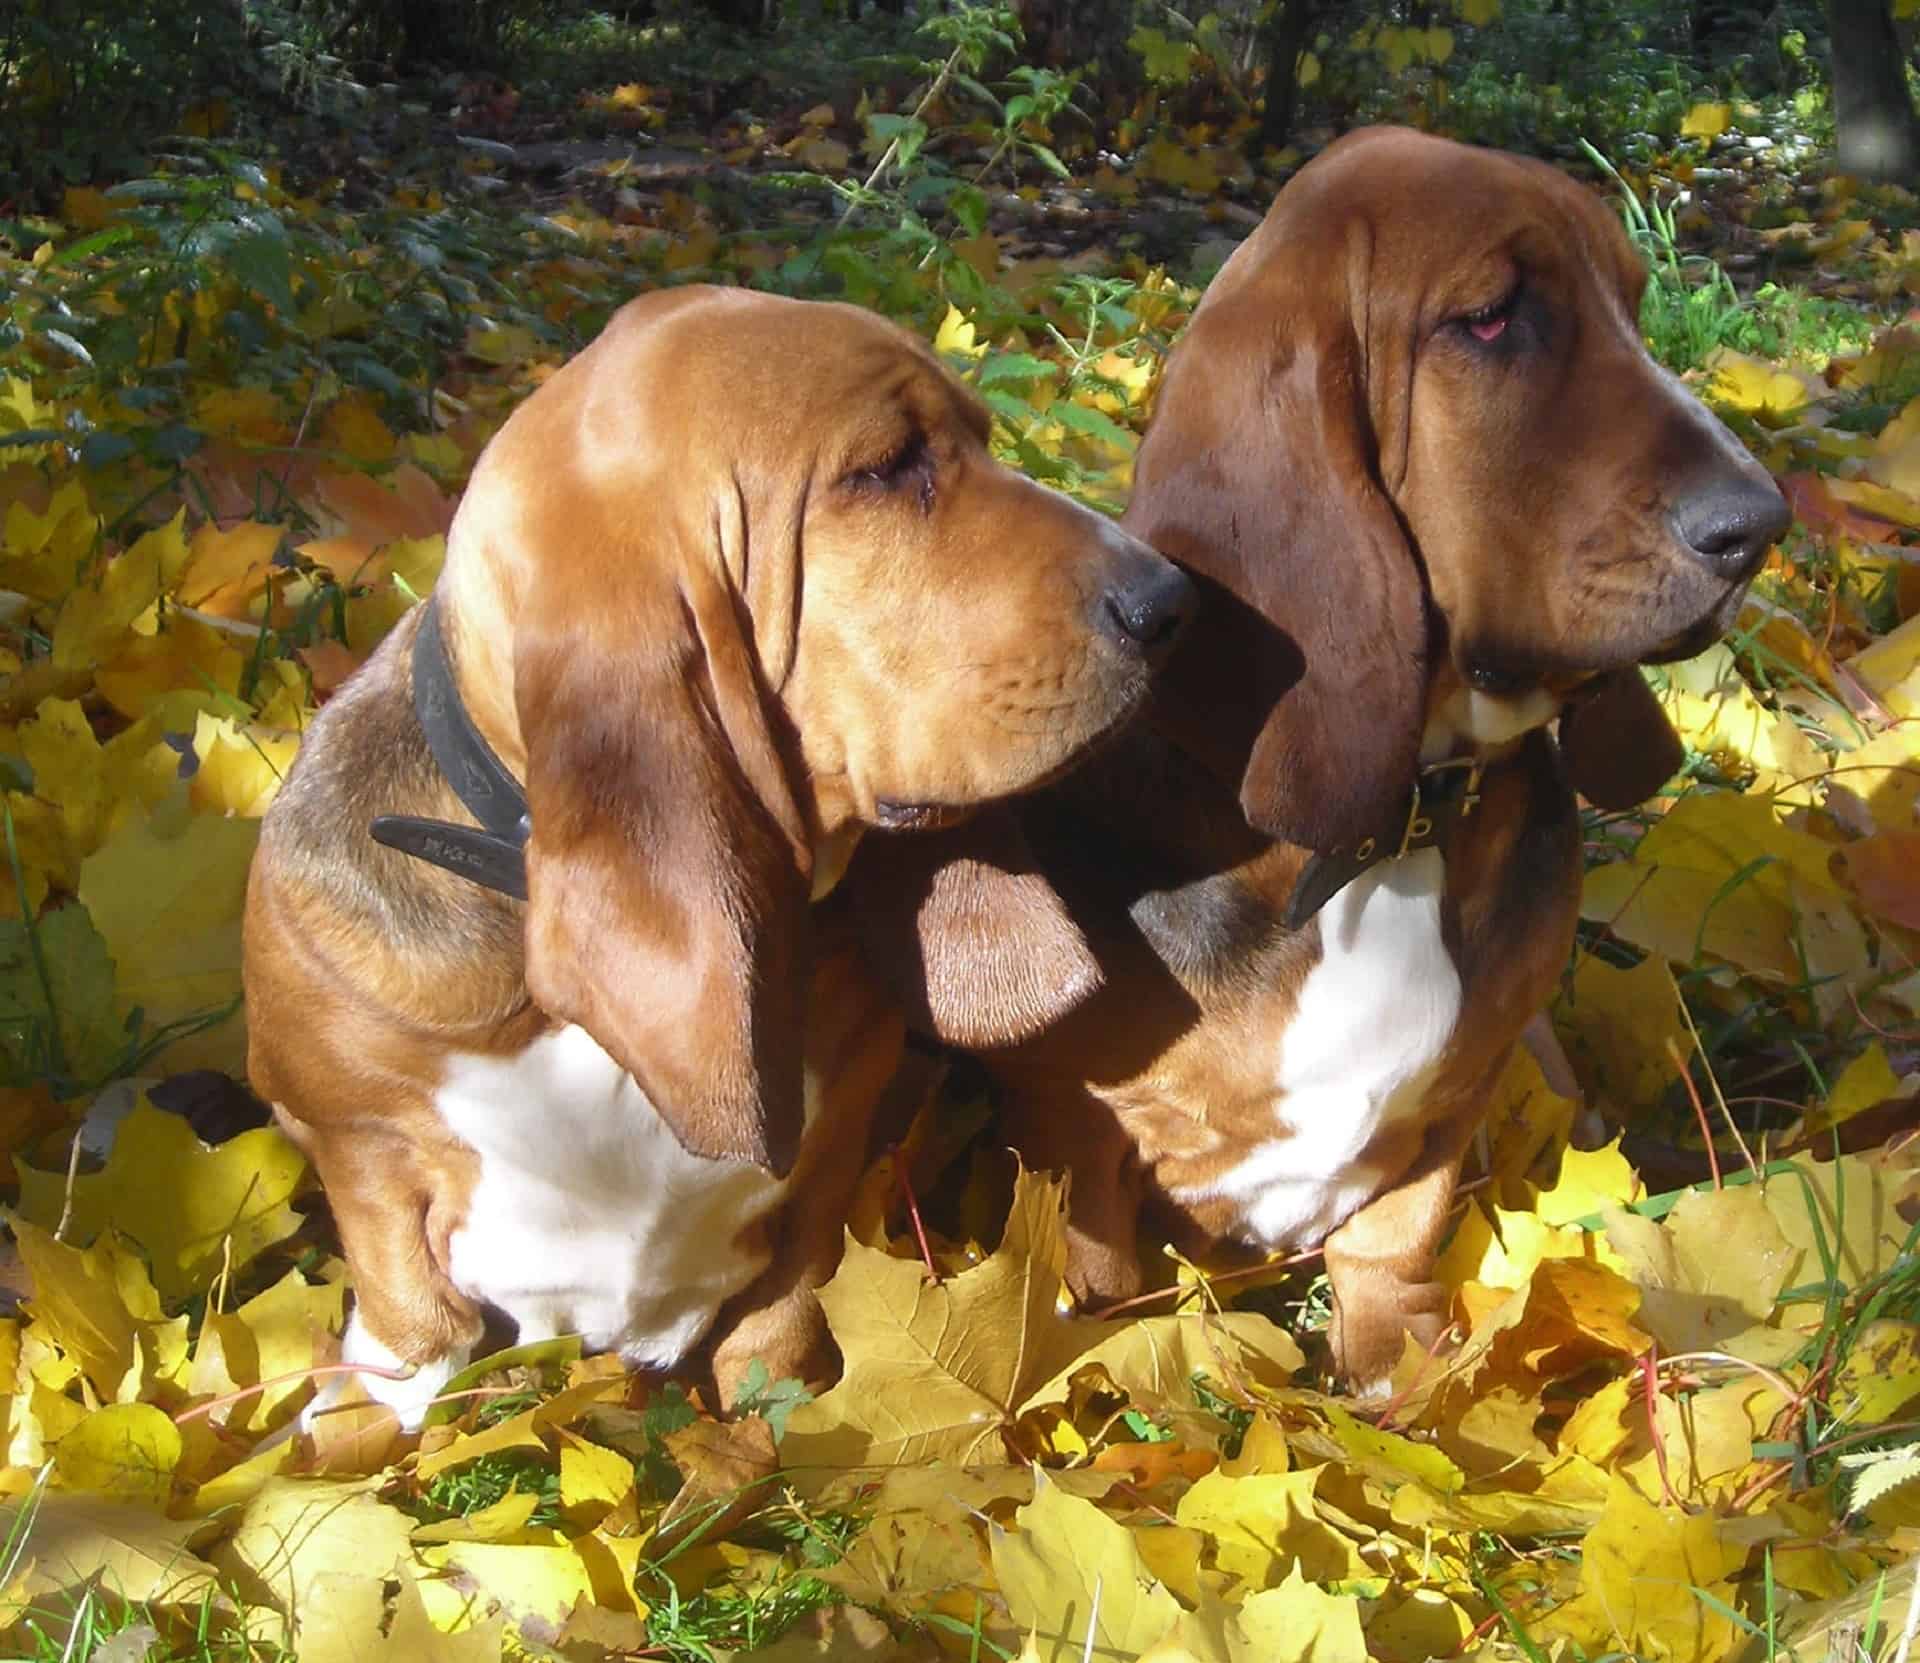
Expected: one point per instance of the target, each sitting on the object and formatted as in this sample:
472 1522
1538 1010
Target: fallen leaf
294 1532
126 1450
349 1619
1073 1577
194 1207
1619 1026
166 893
1639 1567
1879 1375
1264 1522
1299 1623
1707 1273
76 1541
933 1372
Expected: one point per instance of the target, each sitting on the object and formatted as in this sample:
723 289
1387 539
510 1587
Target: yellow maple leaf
543 1579
284 1322
504 1520
79 1542
194 1207
1151 1357
1299 1623
1073 1576
172 675
1590 1181
1172 163
596 1380
241 768
1479 12
219 559
1714 709
351 1620
96 615
166 891
1622 1029
251 415
293 1533
126 1450
1895 461
1879 1375
1639 1567
93 1303
1706 121
352 424
1708 1272
85 208
1715 876
593 1480
1847 1208
1865 1083
41 554
1526 1119
933 1372
415 562
1772 396
956 336
1391 1458
1262 1522
1397 47
68 771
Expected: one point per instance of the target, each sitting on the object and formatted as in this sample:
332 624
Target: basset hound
533 969
1440 500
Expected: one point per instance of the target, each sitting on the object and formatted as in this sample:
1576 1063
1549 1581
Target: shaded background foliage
91 86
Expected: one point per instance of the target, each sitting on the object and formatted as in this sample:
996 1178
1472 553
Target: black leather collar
1443 795
493 855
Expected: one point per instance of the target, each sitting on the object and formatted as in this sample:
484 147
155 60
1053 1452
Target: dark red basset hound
1444 506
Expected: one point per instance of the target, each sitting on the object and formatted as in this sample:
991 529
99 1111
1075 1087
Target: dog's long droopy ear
1260 472
667 912
1618 744
973 941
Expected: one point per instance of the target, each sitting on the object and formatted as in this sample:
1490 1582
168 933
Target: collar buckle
1443 795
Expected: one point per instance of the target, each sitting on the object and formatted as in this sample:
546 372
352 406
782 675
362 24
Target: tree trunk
1282 38
1879 134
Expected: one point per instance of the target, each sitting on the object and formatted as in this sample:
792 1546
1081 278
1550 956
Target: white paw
409 1398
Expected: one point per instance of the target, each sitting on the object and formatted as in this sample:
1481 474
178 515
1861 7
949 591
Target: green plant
1690 306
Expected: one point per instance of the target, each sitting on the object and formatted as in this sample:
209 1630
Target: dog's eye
907 467
1489 323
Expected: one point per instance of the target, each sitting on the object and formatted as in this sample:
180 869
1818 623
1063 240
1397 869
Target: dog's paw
409 1398
1370 1337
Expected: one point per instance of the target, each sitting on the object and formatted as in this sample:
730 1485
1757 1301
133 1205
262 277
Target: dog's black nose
1732 523
1147 609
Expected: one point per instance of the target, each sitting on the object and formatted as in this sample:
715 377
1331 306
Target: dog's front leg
1380 1262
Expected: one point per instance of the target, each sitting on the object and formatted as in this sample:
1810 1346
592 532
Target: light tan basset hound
1441 500
739 581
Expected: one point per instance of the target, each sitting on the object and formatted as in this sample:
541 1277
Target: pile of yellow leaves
1631 1448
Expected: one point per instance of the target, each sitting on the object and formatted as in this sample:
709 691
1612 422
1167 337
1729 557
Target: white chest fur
1374 1016
588 1217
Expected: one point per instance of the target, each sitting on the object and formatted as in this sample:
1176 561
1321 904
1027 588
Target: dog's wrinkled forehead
755 379
1445 217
